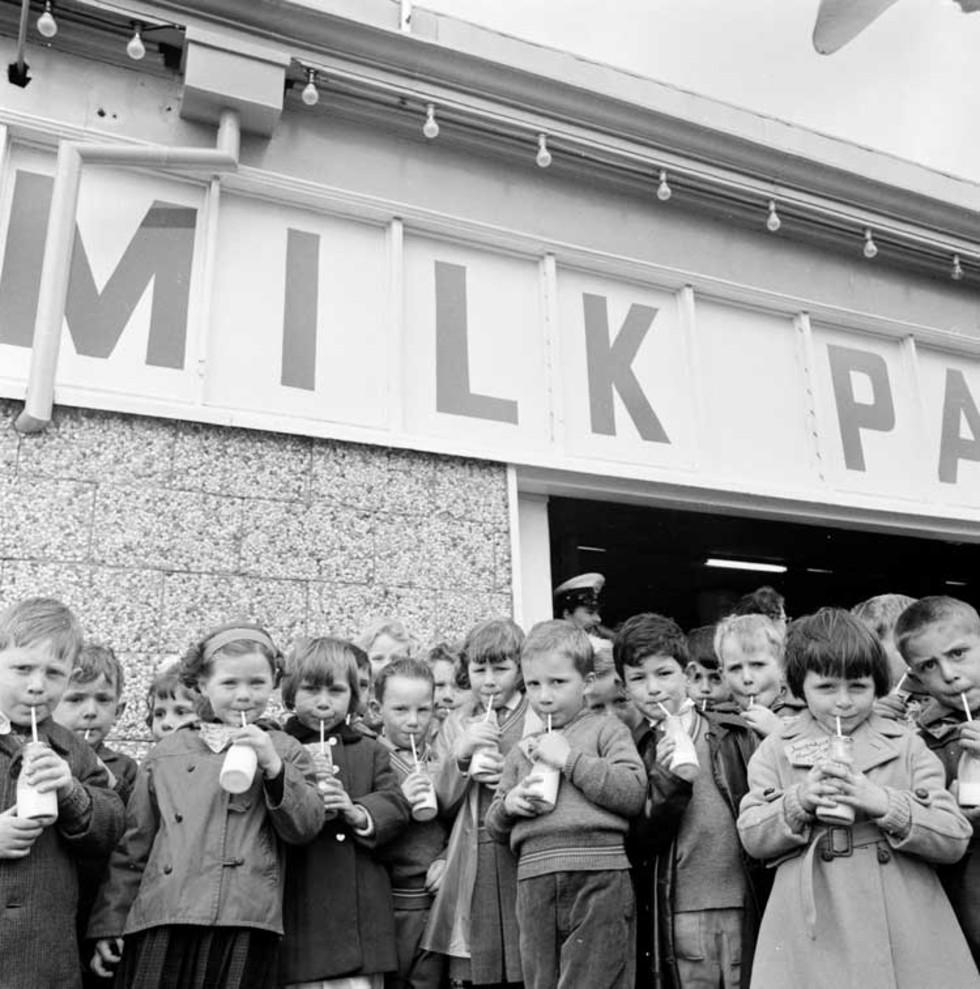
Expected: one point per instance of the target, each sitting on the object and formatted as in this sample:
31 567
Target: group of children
748 804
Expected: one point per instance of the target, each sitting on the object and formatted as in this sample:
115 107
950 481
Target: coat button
921 793
191 768
768 791
178 818
827 855
884 855
341 837
167 869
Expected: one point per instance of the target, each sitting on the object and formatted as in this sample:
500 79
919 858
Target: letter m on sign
161 252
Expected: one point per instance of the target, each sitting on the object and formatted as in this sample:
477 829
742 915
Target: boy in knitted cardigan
574 898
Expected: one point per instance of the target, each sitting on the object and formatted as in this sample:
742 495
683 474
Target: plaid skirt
193 957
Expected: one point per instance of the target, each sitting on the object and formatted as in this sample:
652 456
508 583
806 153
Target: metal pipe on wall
56 263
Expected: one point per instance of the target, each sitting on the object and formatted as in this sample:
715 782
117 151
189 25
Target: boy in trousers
404 702
39 643
699 897
939 638
575 905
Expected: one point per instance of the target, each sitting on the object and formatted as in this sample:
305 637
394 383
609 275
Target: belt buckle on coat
837 843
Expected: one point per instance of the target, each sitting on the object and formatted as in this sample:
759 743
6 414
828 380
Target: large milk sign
303 322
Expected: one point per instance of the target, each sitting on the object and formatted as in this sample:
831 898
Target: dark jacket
939 729
195 854
40 892
652 846
338 909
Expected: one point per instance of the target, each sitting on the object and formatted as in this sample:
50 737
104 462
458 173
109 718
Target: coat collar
299 731
875 741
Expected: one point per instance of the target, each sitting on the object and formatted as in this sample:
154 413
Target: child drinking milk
858 903
340 926
194 887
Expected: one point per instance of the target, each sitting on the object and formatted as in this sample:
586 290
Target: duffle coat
195 854
861 905
40 891
338 906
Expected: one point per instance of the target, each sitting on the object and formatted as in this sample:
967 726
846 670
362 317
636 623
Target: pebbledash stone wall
154 530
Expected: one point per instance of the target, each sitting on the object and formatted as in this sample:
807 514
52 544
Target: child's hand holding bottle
45 770
416 786
108 954
337 799
477 735
761 720
17 834
523 800
265 752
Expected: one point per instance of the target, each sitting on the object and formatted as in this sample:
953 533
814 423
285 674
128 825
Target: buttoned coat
857 906
40 892
195 854
338 907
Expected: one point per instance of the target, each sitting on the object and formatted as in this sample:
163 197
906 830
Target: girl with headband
194 892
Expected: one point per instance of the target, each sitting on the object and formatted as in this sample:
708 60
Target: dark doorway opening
653 560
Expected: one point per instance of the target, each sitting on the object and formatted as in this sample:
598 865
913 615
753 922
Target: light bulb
310 95
543 157
135 48
957 272
663 190
431 126
46 23
870 247
773 223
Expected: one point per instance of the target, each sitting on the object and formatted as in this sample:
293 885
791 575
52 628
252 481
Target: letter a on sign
610 365
958 404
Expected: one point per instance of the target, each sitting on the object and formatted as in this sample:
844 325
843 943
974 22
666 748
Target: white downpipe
55 267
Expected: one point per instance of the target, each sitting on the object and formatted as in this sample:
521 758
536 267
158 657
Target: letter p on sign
853 412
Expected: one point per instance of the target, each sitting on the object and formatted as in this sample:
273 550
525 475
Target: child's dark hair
96 660
564 637
495 640
701 646
929 611
237 638
763 600
881 612
34 620
413 669
166 686
833 643
321 662
647 635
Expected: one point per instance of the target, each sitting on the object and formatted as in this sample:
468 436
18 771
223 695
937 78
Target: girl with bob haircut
340 926
194 893
854 902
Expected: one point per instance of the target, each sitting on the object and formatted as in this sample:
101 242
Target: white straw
897 689
840 734
415 754
88 731
489 713
549 724
662 708
244 722
34 722
704 704
751 699
323 745
966 707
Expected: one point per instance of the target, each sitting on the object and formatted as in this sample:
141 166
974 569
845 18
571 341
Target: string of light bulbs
837 218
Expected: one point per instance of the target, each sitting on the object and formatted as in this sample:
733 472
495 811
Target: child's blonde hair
36 620
752 633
